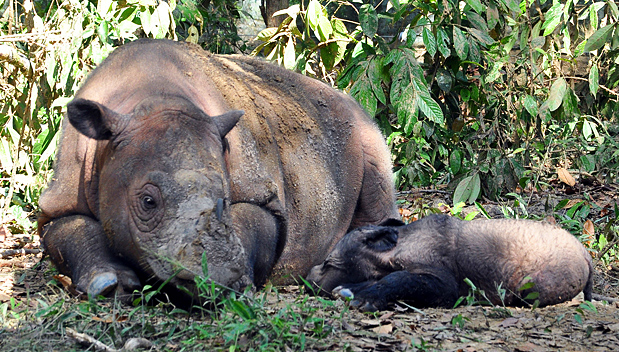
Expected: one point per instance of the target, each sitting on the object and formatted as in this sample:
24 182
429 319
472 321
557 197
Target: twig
422 191
10 55
13 252
88 340
26 36
599 85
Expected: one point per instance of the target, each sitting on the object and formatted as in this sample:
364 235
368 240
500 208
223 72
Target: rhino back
299 151
302 143
506 250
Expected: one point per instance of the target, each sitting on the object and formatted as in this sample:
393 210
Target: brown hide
427 261
305 157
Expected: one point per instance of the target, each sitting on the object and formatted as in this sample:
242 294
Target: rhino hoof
102 284
343 292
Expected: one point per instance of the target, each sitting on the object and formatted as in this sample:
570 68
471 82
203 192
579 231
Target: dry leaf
571 203
109 319
565 177
383 329
588 230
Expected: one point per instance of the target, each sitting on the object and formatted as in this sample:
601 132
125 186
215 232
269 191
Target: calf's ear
94 120
381 239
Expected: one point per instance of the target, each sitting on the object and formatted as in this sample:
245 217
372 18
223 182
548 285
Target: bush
483 96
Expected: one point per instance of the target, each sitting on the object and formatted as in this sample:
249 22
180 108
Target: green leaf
374 69
530 104
531 296
492 15
361 90
368 19
587 162
314 11
103 7
460 43
324 28
557 92
290 56
429 41
613 8
427 105
483 37
476 5
444 80
524 36
553 18
594 79
467 190
455 161
477 21
442 40
599 38
5 155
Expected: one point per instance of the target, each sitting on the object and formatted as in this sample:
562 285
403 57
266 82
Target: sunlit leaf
442 41
530 104
599 38
460 43
467 190
429 41
314 11
477 6
553 18
557 92
594 79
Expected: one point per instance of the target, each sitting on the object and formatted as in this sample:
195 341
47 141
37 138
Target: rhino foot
362 302
109 280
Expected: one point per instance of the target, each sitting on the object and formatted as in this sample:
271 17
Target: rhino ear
93 119
382 239
225 122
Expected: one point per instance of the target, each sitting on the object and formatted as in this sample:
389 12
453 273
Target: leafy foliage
50 50
480 95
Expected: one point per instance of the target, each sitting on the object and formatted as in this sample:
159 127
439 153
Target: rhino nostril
219 209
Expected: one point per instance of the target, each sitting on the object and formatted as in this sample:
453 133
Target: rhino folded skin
426 262
170 152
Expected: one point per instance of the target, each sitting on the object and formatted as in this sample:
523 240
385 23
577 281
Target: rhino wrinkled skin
425 263
169 152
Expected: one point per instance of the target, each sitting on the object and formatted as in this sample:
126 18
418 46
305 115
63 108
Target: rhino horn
93 119
226 121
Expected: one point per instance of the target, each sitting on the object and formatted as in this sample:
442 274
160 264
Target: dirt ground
571 326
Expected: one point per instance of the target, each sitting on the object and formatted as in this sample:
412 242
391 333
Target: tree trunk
269 7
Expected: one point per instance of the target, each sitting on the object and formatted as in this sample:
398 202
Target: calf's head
364 254
162 191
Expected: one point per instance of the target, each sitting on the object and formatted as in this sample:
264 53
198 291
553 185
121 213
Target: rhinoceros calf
426 262
169 152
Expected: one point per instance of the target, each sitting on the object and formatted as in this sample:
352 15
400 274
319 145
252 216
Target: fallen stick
13 252
89 341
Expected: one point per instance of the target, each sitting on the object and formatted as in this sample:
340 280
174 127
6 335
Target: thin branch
601 86
26 36
11 55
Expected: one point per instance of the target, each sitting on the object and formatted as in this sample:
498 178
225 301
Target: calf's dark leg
426 288
78 246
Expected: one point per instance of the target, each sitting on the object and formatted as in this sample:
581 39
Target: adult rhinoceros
169 152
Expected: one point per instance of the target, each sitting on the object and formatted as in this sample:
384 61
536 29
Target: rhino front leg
78 247
261 233
428 288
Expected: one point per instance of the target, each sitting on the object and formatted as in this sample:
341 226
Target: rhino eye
147 207
148 203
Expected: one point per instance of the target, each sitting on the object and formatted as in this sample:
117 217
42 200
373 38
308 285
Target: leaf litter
27 280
